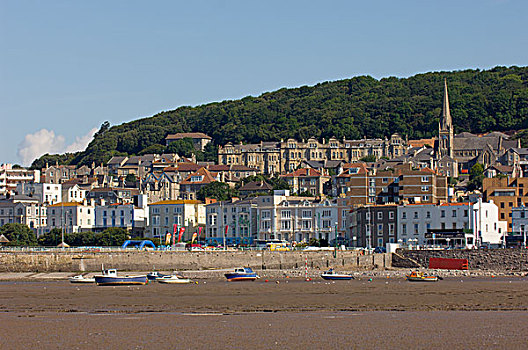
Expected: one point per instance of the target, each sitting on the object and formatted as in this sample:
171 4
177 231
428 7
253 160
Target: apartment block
24 210
11 176
506 193
374 226
288 155
164 215
394 185
239 216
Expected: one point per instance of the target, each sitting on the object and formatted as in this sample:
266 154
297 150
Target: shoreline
218 274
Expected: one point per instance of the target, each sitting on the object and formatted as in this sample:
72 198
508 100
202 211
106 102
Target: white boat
81 279
335 276
173 279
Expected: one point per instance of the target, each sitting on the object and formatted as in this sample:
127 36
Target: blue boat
334 276
110 278
241 274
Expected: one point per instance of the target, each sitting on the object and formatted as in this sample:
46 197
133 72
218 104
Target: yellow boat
417 276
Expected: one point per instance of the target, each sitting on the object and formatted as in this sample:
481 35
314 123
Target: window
266 214
442 214
454 225
404 215
454 214
391 215
286 225
380 229
326 213
425 178
425 188
286 214
428 215
380 215
385 180
415 229
391 229
465 213
416 215
306 213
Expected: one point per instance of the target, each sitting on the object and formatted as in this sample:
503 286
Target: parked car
380 250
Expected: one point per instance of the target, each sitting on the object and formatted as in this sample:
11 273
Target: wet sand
454 313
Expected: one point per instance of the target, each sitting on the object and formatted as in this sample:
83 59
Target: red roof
208 177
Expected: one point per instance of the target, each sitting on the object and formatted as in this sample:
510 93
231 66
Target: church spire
445 129
445 119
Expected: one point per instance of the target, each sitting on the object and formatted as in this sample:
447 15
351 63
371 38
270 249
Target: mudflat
453 313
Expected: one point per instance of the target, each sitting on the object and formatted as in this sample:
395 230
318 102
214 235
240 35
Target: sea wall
501 260
167 261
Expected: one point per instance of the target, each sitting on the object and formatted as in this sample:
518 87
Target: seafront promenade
130 260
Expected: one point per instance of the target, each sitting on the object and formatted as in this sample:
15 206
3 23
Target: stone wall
168 261
502 260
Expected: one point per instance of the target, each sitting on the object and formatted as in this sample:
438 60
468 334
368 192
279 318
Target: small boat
155 275
173 279
417 276
81 279
241 274
335 276
110 278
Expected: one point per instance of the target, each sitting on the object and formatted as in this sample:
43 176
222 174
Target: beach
454 313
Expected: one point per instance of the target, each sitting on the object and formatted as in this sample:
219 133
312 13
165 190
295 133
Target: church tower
445 129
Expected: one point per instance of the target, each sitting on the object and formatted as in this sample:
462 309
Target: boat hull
234 277
173 281
82 280
120 281
422 279
337 277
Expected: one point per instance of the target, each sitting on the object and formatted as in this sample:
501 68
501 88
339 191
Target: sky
68 66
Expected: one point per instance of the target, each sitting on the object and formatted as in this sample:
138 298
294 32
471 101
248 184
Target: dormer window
196 178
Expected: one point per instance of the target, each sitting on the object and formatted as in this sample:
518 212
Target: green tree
210 152
476 175
152 149
216 190
18 235
130 180
369 158
51 238
183 147
114 236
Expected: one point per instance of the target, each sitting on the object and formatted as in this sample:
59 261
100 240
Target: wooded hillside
481 101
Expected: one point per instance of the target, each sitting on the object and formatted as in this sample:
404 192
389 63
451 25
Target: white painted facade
72 216
481 218
46 193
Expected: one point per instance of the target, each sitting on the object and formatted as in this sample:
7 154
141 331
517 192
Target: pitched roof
207 177
256 186
192 135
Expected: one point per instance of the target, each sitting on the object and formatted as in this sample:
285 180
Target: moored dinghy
81 279
173 279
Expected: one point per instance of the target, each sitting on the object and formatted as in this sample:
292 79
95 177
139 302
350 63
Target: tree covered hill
481 101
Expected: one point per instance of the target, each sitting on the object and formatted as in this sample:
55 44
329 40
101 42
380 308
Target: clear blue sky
67 66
